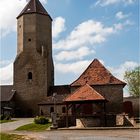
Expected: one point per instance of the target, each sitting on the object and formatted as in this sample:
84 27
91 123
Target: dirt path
84 135
127 134
11 126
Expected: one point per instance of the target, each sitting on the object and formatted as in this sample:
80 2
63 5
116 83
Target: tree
133 81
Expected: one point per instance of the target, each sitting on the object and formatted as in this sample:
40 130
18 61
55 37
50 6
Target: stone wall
46 109
135 104
114 96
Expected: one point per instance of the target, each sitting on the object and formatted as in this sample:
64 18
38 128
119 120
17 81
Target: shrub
41 120
2 117
5 117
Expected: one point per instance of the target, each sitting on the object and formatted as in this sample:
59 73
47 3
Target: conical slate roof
33 6
96 74
84 93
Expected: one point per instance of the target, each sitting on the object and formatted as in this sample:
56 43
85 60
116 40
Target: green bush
5 117
2 117
41 120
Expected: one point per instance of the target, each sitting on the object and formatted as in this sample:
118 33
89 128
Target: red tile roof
33 6
84 93
96 74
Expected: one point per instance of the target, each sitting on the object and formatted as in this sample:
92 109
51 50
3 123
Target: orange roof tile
84 93
96 74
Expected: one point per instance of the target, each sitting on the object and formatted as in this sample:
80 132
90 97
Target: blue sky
82 30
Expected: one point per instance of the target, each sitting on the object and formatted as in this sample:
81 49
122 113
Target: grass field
4 136
34 127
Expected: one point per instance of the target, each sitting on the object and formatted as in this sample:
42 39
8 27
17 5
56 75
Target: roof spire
33 6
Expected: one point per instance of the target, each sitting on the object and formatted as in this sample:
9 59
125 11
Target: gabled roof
84 93
6 93
96 74
33 6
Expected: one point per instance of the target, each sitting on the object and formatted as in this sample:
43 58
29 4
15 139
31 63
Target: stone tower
33 66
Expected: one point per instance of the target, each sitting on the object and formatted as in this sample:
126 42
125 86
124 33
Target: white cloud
58 26
76 67
43 1
6 75
4 62
120 70
75 54
9 11
85 34
120 26
112 2
121 15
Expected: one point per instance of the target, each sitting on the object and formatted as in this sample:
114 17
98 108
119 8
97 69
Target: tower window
29 39
63 110
30 76
51 109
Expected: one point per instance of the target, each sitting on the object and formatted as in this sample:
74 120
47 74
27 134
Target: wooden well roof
84 93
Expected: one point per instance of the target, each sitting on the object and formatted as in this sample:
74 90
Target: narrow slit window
30 76
29 39
63 110
51 109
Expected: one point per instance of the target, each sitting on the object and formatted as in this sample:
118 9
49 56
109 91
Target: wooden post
105 119
67 123
74 109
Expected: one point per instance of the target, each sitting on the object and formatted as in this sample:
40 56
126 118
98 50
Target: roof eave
123 83
34 13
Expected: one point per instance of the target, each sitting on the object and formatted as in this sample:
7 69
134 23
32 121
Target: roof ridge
35 5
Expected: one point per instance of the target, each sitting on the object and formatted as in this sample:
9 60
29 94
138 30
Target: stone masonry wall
114 95
34 55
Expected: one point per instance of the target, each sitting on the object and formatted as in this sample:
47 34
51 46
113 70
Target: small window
63 110
29 39
51 109
30 76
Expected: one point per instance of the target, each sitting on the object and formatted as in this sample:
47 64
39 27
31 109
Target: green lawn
34 127
5 121
4 136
